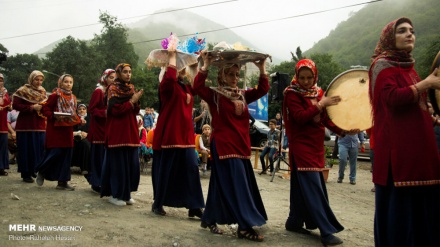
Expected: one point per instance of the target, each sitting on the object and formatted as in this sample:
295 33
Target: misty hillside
353 41
147 33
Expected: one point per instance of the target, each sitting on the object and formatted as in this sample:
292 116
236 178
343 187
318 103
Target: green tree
112 44
17 69
147 80
74 57
328 69
298 56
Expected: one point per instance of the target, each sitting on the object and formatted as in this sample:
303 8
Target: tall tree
298 56
328 69
74 57
17 69
112 44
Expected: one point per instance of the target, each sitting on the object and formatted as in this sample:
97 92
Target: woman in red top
31 125
175 173
121 171
96 135
5 106
406 170
233 195
55 165
305 117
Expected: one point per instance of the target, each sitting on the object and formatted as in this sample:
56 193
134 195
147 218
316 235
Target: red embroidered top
56 136
403 133
174 128
121 126
230 130
28 119
305 131
4 114
97 110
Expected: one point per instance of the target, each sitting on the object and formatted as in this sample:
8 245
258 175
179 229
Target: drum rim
340 75
431 92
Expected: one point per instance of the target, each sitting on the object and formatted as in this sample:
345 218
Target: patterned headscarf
104 76
386 46
66 103
387 53
119 91
31 93
312 92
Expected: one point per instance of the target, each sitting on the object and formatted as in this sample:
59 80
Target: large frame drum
354 110
434 95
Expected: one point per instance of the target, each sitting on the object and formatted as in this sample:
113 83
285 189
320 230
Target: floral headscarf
103 79
387 53
31 93
66 103
119 91
312 92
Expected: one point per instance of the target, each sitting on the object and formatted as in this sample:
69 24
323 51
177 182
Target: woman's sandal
3 173
212 227
250 234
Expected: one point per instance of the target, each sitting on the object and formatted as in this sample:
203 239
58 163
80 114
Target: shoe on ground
297 229
196 212
64 186
158 211
352 182
96 189
331 240
262 172
28 180
40 179
339 180
116 201
373 189
130 202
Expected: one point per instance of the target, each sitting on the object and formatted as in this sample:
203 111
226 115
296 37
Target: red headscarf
312 92
387 53
386 46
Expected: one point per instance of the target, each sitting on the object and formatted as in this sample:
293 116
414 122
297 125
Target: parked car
258 133
361 155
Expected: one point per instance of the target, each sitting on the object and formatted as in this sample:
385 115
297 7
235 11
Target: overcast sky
21 18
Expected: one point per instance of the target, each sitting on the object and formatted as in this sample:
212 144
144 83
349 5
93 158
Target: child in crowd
273 137
205 146
60 111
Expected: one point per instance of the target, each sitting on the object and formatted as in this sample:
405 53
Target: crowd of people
109 136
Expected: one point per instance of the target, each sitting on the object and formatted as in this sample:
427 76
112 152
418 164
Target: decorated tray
159 58
235 56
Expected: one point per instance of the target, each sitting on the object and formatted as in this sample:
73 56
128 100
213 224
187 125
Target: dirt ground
98 223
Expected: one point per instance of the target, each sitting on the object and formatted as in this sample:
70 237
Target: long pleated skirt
407 216
97 152
55 165
120 172
4 155
176 179
233 195
309 204
30 151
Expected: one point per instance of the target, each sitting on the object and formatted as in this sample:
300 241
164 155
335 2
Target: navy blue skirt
176 179
55 165
30 151
97 152
309 203
4 155
233 195
120 172
407 216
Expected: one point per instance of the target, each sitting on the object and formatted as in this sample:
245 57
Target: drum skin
354 111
